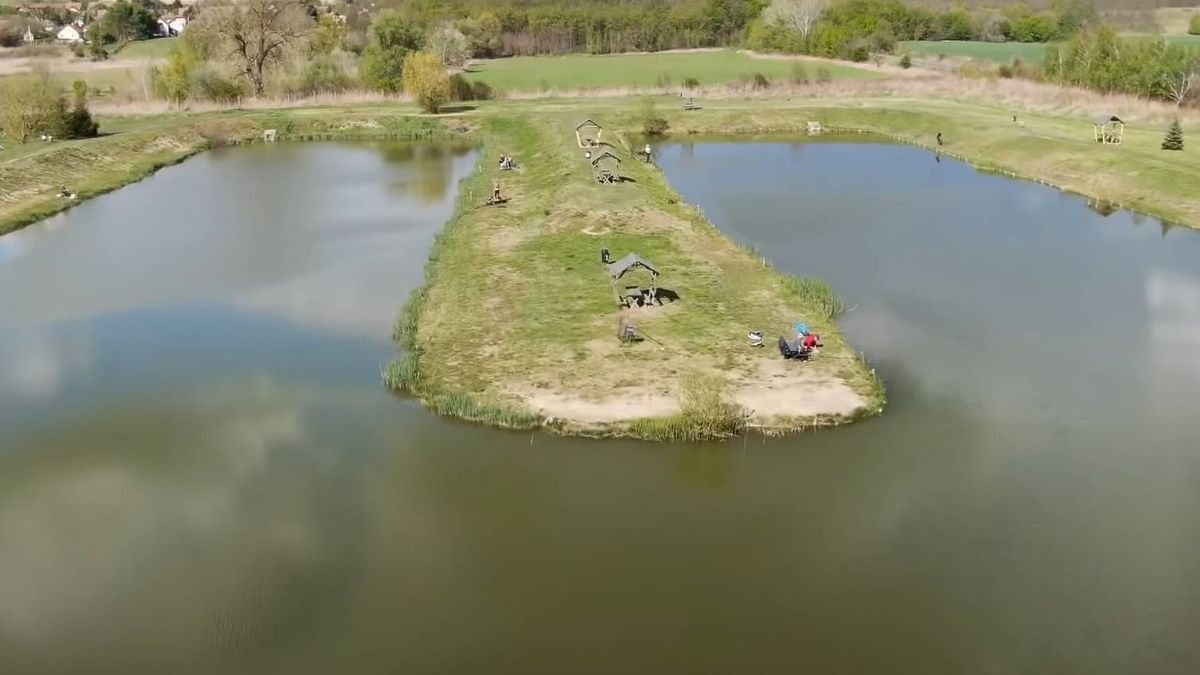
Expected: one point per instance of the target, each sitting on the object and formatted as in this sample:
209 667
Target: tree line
528 27
1100 59
853 29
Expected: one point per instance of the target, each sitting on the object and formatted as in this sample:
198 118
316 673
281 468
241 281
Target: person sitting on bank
811 342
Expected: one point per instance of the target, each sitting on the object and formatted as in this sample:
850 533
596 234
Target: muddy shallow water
200 472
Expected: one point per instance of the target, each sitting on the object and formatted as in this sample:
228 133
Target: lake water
200 471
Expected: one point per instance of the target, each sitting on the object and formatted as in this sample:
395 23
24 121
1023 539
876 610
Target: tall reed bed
815 293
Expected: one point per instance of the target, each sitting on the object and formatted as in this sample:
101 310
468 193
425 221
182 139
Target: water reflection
199 471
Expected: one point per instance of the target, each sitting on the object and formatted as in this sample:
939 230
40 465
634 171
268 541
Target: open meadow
547 73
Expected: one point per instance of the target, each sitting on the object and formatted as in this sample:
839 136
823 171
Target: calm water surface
199 471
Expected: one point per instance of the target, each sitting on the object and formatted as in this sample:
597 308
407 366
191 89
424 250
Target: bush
34 104
1194 25
857 51
1034 28
426 80
652 124
690 83
1174 139
460 88
1005 71
323 75
482 91
823 75
906 61
760 81
663 81
213 86
799 74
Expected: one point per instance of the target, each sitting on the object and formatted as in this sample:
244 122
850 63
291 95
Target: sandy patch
794 389
622 406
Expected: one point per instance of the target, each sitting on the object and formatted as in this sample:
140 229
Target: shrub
34 104
663 81
426 80
173 81
906 61
1194 25
1174 138
761 81
1005 71
799 73
823 75
858 51
460 88
690 83
213 86
323 75
482 91
652 124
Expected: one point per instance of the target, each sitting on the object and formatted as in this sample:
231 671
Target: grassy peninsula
517 324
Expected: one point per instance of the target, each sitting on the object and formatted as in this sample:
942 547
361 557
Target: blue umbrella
801 328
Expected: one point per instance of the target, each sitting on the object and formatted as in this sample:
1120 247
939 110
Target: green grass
998 52
534 73
1004 52
157 48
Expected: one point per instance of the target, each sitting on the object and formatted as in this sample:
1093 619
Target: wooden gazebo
1109 129
630 295
606 167
587 133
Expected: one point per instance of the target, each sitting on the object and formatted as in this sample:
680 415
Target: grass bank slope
581 71
518 324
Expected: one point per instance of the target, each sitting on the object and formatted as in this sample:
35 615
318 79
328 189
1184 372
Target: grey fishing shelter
626 264
1109 129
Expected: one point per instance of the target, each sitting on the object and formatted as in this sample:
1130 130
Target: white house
171 27
70 34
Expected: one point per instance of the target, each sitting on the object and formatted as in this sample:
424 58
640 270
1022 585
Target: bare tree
799 15
1178 83
258 32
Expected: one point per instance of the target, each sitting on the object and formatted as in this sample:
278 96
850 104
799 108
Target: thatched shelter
587 134
607 168
1109 129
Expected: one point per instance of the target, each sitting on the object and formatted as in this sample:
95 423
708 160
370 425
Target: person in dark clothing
939 138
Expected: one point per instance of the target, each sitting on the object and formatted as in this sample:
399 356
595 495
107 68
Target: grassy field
999 52
147 49
1004 52
543 73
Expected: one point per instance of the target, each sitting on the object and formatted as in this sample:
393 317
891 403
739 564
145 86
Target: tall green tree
393 38
125 22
